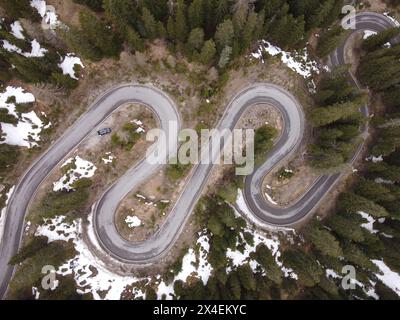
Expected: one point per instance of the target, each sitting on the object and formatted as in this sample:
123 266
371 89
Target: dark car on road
104 131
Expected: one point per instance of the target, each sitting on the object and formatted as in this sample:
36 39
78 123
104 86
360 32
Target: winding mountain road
155 247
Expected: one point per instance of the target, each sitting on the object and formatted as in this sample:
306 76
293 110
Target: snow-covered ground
387 276
192 265
133 221
80 168
16 30
109 158
297 61
397 23
139 123
68 64
370 224
26 132
90 274
369 33
375 159
36 49
239 258
48 13
270 199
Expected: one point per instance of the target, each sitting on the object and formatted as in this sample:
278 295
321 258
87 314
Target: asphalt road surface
155 247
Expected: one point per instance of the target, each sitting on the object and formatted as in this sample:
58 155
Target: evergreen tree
96 5
330 40
19 9
133 39
181 26
324 116
195 40
225 57
150 24
375 42
224 34
346 226
304 265
354 254
196 14
265 258
121 12
246 277
350 202
323 240
99 34
78 42
158 8
287 31
208 52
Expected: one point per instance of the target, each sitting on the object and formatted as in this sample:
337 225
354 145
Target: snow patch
193 264
133 221
370 224
16 30
397 23
68 64
297 61
36 50
80 168
109 159
369 33
270 199
90 274
48 13
26 133
387 276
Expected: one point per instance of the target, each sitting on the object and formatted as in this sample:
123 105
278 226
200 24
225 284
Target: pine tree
380 70
96 5
150 24
241 10
246 277
159 9
195 40
225 57
224 34
265 258
287 31
323 241
304 265
208 52
5 73
100 35
78 42
321 15
326 115
346 226
351 203
133 39
329 40
373 191
354 254
391 97
376 41
181 27
249 32
171 28
196 14
19 9
122 12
